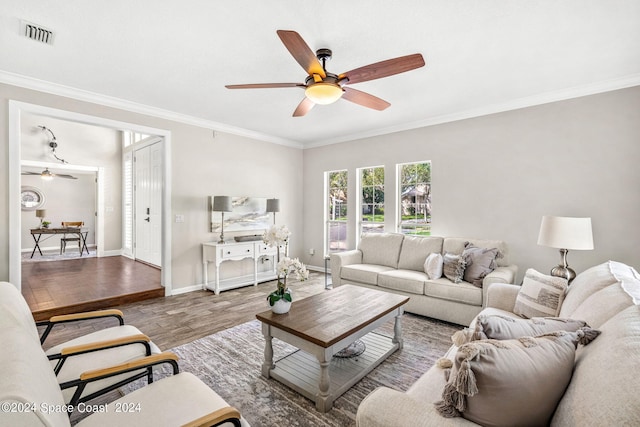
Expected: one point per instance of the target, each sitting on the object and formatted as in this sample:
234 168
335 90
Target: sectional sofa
396 263
603 387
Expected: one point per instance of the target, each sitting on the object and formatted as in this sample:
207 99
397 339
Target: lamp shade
222 204
273 205
566 233
41 213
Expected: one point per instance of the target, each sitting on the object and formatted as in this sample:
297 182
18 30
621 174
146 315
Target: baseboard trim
184 290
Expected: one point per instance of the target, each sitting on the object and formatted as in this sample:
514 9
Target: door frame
16 109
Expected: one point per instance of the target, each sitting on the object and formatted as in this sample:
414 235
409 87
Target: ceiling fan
47 175
322 87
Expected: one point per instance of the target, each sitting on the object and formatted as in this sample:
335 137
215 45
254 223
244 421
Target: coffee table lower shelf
301 370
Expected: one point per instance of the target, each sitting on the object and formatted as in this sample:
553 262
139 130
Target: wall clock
31 198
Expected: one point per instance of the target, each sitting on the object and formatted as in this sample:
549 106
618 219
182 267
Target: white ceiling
173 58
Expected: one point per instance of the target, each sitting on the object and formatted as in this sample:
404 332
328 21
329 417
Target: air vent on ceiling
36 32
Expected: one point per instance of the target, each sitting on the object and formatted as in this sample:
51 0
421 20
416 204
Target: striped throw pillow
540 295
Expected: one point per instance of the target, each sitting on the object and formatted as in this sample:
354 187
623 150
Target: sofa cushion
433 266
381 249
603 305
479 262
453 267
506 327
604 389
416 249
403 280
455 245
584 285
511 382
462 292
540 295
363 273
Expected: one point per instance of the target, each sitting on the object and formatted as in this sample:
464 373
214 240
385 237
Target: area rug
55 255
230 363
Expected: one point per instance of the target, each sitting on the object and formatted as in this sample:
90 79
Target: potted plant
280 299
45 224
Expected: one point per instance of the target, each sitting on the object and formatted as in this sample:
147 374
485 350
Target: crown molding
530 101
109 101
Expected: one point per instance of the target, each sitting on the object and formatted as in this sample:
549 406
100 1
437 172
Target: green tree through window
415 198
372 200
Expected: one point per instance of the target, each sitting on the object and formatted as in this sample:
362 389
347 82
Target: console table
218 253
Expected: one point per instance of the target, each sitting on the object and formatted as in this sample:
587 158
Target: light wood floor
176 320
83 284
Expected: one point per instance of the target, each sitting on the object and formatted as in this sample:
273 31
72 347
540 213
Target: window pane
337 236
415 198
336 227
372 200
372 227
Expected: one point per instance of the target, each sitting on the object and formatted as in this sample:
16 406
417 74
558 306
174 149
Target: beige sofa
395 263
604 387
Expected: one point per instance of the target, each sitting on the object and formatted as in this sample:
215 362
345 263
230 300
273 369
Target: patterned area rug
230 363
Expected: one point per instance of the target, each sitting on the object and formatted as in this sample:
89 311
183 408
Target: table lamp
273 205
565 233
222 204
41 213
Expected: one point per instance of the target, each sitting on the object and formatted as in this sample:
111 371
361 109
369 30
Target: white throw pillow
433 266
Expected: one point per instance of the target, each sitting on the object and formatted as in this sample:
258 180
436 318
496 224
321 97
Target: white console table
218 253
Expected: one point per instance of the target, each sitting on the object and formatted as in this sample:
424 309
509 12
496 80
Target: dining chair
75 237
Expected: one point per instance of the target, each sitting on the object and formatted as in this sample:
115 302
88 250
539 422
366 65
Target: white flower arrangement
279 236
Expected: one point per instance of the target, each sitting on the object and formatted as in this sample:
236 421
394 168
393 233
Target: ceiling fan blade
64 176
304 107
364 99
264 85
30 173
301 52
383 69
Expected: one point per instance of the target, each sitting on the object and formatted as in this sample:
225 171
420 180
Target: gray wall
496 176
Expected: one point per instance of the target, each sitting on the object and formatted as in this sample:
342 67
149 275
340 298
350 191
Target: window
415 198
130 137
372 200
336 224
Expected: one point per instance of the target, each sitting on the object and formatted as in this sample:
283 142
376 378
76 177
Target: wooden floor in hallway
69 286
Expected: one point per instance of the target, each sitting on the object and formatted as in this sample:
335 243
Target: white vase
281 306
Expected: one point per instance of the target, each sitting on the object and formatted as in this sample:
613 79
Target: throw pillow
433 266
453 267
540 295
479 263
512 382
504 328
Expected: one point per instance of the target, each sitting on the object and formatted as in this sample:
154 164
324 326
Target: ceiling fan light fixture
46 175
324 93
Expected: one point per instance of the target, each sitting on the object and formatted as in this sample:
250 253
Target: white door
148 202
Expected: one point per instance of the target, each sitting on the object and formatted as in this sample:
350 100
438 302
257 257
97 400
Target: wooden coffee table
322 325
